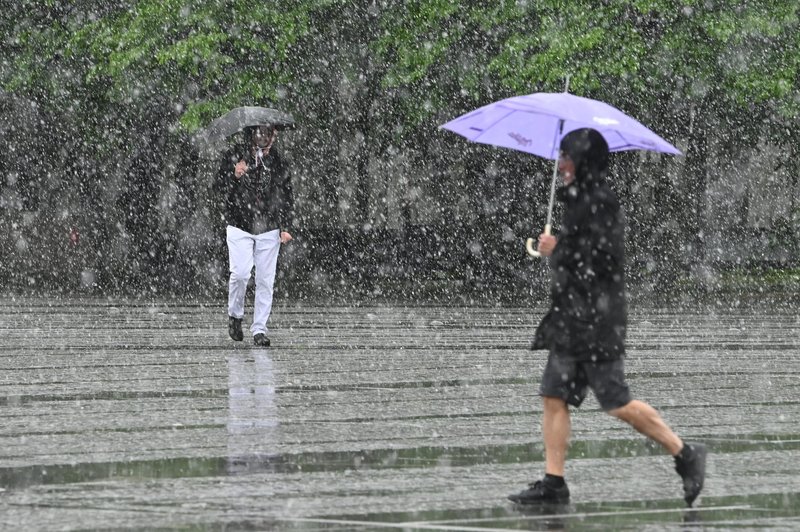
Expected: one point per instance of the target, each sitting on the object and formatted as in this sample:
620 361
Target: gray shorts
569 380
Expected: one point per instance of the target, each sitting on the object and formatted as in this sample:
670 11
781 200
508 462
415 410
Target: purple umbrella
536 123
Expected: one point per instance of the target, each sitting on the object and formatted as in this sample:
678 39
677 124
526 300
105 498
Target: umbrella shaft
552 193
556 139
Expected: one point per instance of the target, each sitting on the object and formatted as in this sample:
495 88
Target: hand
285 237
240 169
547 244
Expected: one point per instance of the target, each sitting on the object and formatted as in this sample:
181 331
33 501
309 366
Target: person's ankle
685 453
554 481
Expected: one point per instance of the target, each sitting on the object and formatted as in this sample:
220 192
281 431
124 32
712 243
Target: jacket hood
589 151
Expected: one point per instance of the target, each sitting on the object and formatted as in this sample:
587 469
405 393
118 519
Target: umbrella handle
530 242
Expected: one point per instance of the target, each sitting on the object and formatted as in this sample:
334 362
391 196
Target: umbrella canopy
536 123
214 136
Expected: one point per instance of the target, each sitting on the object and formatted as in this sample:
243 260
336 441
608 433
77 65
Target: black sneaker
541 492
692 469
235 328
261 340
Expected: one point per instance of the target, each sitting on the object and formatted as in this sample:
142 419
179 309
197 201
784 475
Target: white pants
244 250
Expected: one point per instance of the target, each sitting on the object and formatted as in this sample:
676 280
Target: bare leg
556 428
645 419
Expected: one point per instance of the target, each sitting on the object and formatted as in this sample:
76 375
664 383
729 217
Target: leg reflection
252 425
691 519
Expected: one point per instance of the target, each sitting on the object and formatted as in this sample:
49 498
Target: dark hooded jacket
588 317
263 194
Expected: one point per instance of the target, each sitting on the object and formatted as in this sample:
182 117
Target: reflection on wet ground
134 415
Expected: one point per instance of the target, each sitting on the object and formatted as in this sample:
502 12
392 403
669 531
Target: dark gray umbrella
214 136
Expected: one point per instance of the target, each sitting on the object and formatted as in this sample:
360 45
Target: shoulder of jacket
279 156
603 196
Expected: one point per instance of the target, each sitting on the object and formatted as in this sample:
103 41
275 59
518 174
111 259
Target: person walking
585 327
255 184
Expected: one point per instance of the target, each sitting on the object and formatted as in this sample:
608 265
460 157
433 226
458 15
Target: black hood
589 151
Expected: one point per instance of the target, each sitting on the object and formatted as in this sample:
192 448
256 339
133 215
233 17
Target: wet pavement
139 415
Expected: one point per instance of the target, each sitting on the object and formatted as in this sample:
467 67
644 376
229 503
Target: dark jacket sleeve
608 265
223 181
223 189
606 231
542 338
573 276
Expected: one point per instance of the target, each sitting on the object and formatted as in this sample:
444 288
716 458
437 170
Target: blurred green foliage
209 56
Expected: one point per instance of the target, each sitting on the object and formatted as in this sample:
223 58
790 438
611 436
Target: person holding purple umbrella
584 330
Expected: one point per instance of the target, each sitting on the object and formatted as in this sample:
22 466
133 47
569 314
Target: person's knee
634 412
240 274
554 403
624 412
265 282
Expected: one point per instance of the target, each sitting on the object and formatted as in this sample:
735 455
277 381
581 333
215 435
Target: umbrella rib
537 109
557 134
628 144
510 112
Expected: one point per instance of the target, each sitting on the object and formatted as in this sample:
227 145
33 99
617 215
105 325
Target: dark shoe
261 340
691 466
541 492
235 328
